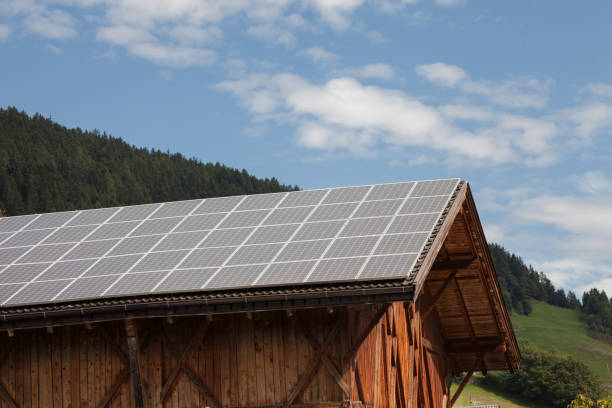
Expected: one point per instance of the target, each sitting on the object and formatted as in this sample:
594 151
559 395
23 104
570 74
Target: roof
413 241
296 241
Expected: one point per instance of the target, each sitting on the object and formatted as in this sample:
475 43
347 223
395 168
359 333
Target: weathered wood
331 367
466 314
311 369
180 359
133 346
350 354
480 347
439 294
121 379
182 366
454 265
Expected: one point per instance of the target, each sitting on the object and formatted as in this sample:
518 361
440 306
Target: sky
514 97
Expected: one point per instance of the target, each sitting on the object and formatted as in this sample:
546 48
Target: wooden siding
370 355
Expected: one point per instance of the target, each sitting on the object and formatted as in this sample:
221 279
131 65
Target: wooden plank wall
408 372
240 361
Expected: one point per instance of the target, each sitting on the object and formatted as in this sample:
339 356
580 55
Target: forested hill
47 167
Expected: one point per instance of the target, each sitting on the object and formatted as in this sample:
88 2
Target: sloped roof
300 241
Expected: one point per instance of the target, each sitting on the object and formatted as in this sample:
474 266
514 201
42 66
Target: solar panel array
318 236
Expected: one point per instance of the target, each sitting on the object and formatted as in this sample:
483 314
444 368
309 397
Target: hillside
48 167
550 327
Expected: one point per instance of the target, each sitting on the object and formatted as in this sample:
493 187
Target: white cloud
391 6
320 55
54 24
520 93
272 33
54 49
593 183
589 119
142 43
448 3
345 114
5 31
379 71
599 90
375 37
444 74
336 12
577 274
494 232
588 220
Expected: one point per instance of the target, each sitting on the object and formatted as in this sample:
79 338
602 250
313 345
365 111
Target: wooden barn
370 296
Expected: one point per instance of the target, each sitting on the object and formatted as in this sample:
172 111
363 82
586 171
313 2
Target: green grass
549 327
476 395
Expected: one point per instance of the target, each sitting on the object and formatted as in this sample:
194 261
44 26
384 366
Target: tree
548 378
582 401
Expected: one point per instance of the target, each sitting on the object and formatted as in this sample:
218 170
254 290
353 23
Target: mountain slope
549 327
48 167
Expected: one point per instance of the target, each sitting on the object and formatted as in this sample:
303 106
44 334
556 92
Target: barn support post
478 363
132 342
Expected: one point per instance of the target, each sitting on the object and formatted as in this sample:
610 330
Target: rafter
439 294
466 315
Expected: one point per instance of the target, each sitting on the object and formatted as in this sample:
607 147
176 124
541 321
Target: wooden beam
123 376
193 377
348 356
359 384
439 294
331 367
377 365
6 397
468 321
479 347
132 341
4 394
196 339
313 366
454 265
466 379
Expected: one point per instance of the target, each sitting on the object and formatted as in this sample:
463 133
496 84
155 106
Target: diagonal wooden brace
4 394
182 366
311 370
326 358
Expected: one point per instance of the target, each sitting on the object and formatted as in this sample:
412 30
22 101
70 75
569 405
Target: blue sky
515 97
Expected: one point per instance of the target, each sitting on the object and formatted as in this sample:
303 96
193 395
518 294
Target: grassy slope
550 327
478 395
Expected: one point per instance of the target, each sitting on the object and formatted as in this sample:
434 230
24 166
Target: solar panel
11 224
69 234
186 279
66 270
112 265
22 273
51 220
25 238
115 230
295 238
272 234
182 240
226 237
84 288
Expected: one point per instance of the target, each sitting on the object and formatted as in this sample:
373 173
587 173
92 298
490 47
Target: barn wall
237 361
